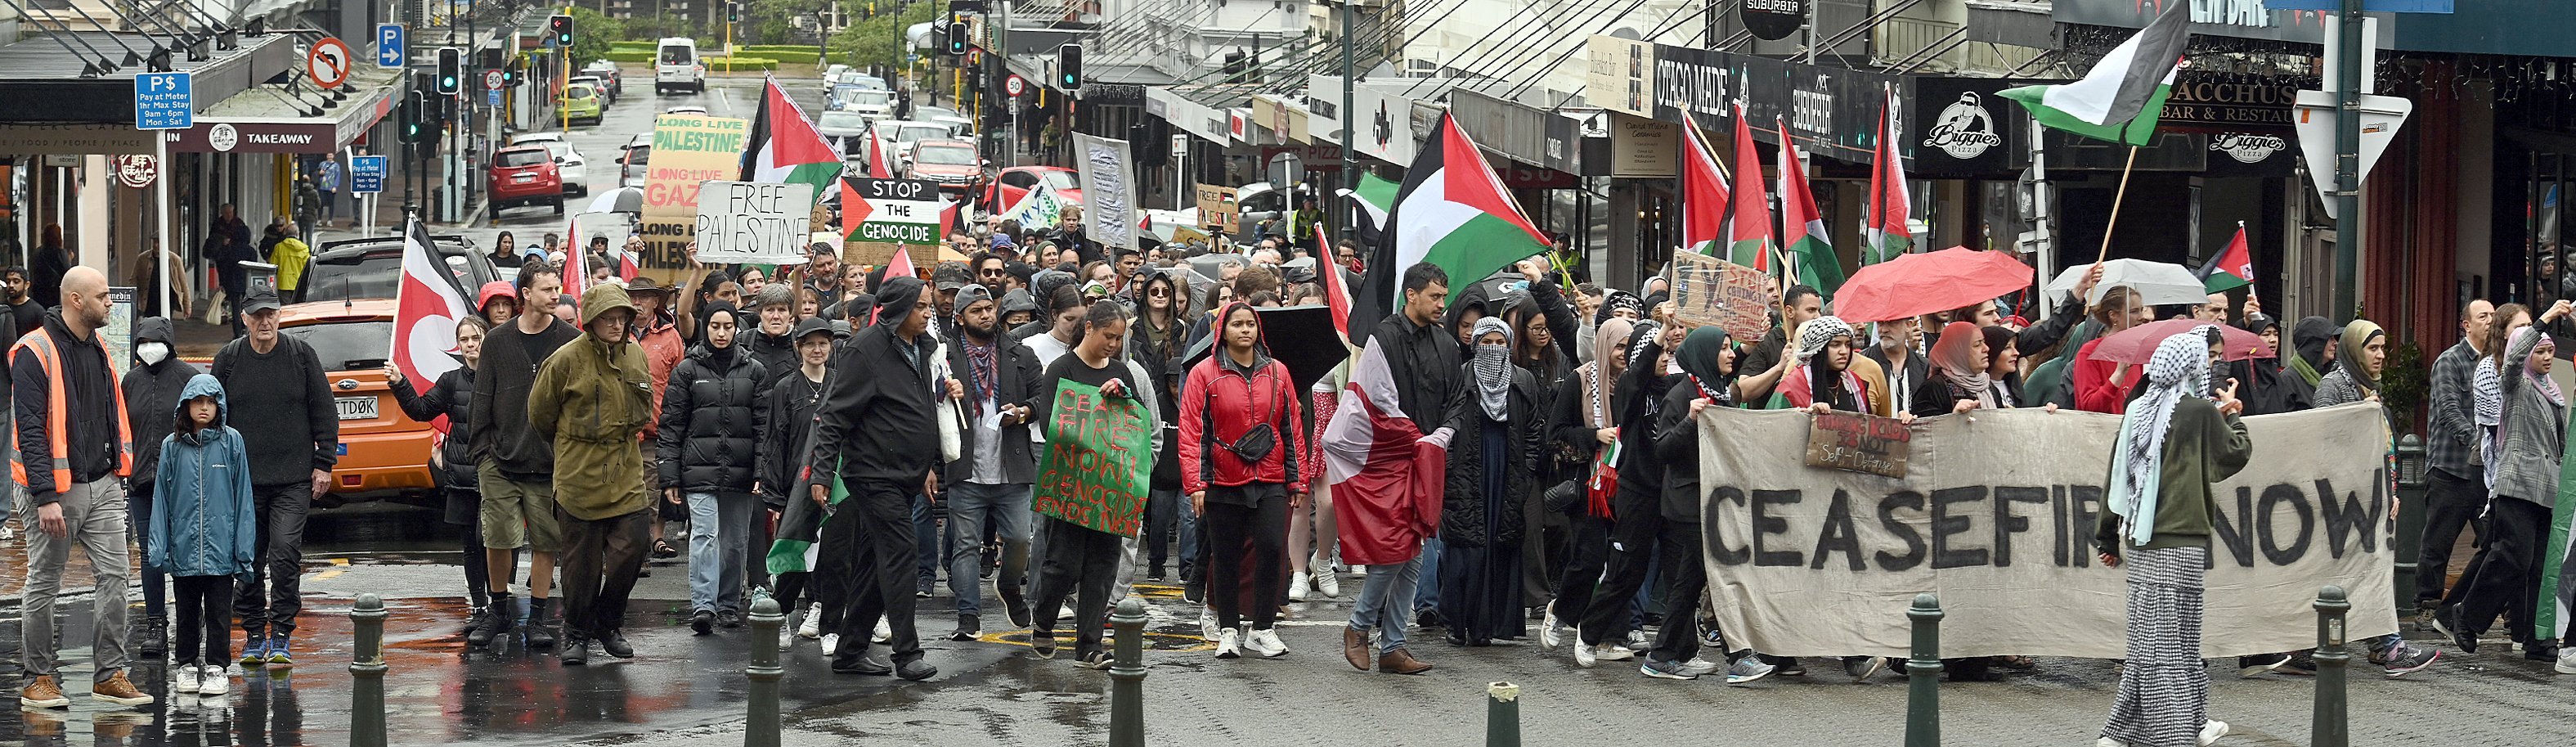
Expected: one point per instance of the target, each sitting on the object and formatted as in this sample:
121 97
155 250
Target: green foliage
879 40
717 63
2404 384
592 35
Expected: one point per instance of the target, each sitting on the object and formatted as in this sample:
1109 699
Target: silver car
846 130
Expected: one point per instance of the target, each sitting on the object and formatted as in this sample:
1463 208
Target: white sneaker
2109 742
787 635
1228 644
1297 583
1637 641
1614 652
1360 571
1550 633
217 680
1207 623
831 643
1699 667
1327 581
1583 656
2210 732
812 627
2566 661
885 632
1266 644
187 678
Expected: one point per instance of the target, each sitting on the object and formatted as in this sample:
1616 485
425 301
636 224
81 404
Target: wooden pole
2116 198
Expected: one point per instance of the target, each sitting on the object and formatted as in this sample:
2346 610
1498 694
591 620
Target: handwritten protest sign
1099 457
1858 442
1729 296
688 150
753 222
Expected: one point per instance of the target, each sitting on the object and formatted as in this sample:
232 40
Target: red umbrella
1916 284
2138 344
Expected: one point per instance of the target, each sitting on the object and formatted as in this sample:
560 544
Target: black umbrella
1302 337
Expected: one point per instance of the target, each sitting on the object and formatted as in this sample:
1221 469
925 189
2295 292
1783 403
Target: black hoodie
876 420
87 379
280 400
151 389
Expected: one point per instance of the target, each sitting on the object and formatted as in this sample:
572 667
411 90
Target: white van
676 66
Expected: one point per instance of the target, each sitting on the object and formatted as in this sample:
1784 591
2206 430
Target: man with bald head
73 449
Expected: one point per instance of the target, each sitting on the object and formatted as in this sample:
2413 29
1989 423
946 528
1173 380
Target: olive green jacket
594 399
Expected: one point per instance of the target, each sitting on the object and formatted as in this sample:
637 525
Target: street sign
389 45
137 171
328 62
164 101
2381 116
492 79
896 211
366 174
1014 86
492 97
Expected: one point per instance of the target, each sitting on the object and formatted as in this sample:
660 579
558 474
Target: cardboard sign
1859 442
1708 291
753 222
688 151
1108 191
1099 459
1216 207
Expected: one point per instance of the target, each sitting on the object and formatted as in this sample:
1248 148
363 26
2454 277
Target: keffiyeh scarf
2180 367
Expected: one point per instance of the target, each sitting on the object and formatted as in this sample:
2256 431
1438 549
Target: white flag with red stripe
426 307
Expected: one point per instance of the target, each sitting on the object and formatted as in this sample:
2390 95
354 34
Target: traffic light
560 26
451 70
407 119
958 35
733 12
1068 67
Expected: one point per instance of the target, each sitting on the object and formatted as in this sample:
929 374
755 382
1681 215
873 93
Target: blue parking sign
366 174
491 97
389 45
162 101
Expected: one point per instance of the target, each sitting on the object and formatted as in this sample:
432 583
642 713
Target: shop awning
263 120
40 75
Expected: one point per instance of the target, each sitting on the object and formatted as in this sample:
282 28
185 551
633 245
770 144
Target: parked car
895 137
583 102
524 175
372 268
832 76
384 454
610 81
863 80
959 125
630 163
686 109
571 167
846 130
952 164
1007 187
677 67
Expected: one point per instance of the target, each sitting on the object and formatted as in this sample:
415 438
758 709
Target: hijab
1493 366
1698 359
2528 341
2356 336
2180 367
1823 383
1611 340
2310 338
1954 357
1642 391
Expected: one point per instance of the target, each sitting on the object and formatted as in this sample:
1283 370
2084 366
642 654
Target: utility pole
2347 174
1350 170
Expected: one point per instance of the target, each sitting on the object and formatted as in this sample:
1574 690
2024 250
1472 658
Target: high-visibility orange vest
57 413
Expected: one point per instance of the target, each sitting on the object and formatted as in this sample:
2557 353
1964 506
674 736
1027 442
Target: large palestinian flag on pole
1451 212
1802 227
2120 99
785 149
1703 194
1750 227
1885 234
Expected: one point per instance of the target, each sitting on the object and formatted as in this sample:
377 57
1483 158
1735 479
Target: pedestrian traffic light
560 26
451 70
1068 67
958 35
733 12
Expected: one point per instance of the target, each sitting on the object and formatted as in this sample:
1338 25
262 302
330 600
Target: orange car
384 454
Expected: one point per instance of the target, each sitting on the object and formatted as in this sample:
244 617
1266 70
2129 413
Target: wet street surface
689 691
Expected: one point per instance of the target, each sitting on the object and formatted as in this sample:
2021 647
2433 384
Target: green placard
2550 608
1099 459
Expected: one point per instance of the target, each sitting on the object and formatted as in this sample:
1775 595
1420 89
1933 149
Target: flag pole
2116 198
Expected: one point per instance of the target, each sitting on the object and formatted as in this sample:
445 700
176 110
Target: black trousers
2451 504
1631 554
1080 562
601 560
1264 524
2505 576
138 522
268 604
1685 579
1587 550
873 527
478 569
203 621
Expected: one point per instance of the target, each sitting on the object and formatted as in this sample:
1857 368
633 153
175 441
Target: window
1060 179
1021 179
677 55
948 156
349 346
522 157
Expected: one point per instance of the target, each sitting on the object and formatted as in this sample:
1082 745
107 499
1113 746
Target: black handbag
1562 496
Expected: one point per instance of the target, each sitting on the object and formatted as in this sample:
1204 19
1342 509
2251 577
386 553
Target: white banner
754 222
1038 208
1108 191
1996 515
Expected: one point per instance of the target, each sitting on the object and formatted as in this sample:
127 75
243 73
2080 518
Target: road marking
724 102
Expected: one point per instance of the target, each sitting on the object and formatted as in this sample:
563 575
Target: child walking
203 532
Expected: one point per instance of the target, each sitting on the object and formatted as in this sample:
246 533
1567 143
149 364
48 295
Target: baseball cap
812 325
260 301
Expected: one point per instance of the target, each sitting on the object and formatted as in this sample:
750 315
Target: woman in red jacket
2103 386
1239 464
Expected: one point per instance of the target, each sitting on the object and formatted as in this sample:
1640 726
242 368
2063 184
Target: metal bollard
761 728
1923 674
2328 728
367 669
2413 482
1502 715
1127 675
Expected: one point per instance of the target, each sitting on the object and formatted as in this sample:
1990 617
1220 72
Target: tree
879 40
591 33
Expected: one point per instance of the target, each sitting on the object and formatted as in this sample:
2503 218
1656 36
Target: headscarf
2180 367
1613 301
2310 338
2348 352
2528 341
1698 359
1611 340
1954 357
1493 364
1823 383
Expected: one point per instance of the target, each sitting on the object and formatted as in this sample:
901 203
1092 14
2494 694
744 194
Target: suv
569 165
525 175
372 268
952 164
383 453
676 66
607 73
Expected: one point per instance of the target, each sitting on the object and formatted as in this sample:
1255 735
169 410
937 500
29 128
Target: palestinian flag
785 149
1703 194
1374 196
2231 269
1750 236
1337 289
2121 97
1451 212
1885 235
1386 480
1802 227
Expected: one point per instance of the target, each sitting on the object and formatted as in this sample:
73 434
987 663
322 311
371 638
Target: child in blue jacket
204 531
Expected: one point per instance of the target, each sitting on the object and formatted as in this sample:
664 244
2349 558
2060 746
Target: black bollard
367 669
1127 675
1502 715
2328 727
1923 674
761 727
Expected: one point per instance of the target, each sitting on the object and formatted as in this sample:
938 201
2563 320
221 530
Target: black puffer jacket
151 394
712 417
776 353
1463 520
452 396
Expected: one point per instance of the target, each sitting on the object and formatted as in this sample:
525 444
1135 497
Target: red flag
877 166
576 268
901 265
1751 235
1703 195
426 307
1337 292
626 269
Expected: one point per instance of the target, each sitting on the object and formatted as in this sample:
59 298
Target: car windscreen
914 133
947 156
1060 179
348 346
372 274
863 97
676 55
521 158
842 120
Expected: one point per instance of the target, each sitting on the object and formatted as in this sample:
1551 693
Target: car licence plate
356 408
523 177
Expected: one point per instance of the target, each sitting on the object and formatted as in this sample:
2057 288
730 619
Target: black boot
576 650
541 628
153 637
614 642
473 622
497 619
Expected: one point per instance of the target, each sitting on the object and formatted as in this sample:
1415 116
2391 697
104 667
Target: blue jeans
1427 595
1374 613
970 506
925 542
719 550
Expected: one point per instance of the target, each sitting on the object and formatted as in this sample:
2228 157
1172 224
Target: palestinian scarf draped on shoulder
2180 368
